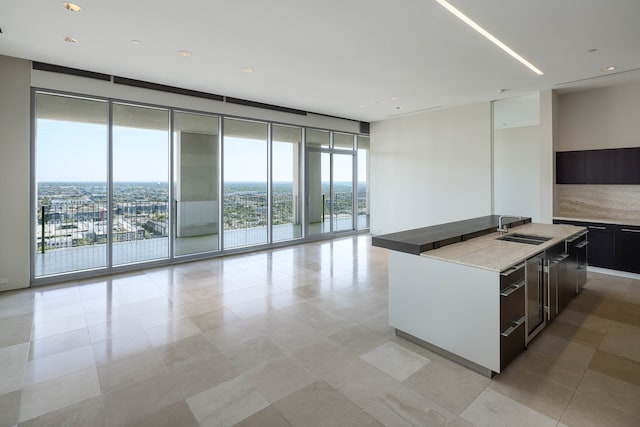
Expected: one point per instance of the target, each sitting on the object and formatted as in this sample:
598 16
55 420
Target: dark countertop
425 239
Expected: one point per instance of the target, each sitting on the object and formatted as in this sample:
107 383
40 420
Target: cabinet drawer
627 248
512 341
511 303
511 276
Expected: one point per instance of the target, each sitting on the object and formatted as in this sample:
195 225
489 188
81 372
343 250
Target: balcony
75 236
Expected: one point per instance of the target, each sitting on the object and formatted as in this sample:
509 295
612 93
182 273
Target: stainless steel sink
524 238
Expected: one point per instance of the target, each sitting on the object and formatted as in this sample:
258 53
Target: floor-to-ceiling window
363 182
318 181
342 181
140 211
195 143
71 184
330 175
119 183
245 209
342 184
285 182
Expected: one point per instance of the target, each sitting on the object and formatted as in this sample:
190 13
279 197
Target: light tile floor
295 336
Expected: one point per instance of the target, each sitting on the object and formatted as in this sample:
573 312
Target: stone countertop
497 255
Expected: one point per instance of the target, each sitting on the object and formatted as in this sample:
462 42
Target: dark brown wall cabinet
627 169
599 166
570 167
613 166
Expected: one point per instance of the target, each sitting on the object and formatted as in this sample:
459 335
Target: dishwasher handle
582 244
577 236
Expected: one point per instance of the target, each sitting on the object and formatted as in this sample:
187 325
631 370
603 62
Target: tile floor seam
60 407
474 399
575 390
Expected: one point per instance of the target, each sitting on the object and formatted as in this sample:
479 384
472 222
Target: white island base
451 309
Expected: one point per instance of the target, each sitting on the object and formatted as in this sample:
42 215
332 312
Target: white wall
517 171
14 173
600 118
548 136
431 168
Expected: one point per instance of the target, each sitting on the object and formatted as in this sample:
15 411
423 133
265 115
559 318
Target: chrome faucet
502 229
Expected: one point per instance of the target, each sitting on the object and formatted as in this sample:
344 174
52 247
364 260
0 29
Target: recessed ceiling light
71 6
184 53
607 68
464 18
246 70
398 108
70 39
136 41
592 50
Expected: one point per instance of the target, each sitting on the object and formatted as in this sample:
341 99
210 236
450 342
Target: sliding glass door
318 192
329 178
342 195
196 193
363 183
286 209
71 211
140 211
245 183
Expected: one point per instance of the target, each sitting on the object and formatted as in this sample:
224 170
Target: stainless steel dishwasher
555 278
580 251
535 295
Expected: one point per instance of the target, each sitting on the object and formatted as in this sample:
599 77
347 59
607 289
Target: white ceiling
346 58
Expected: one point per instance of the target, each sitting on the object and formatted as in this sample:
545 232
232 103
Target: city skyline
61 144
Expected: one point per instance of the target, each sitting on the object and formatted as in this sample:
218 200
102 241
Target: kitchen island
467 300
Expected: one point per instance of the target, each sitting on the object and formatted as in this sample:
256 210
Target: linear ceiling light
464 18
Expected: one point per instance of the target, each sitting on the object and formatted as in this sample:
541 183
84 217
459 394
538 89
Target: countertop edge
599 220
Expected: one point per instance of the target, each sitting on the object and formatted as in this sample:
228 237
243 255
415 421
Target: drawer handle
577 237
594 227
630 230
512 269
511 289
582 245
515 325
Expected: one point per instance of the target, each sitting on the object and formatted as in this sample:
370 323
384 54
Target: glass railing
84 224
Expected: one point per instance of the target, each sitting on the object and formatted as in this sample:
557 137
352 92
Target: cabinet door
627 166
570 167
599 166
627 249
600 249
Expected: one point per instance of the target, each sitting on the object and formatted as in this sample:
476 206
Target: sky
72 151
